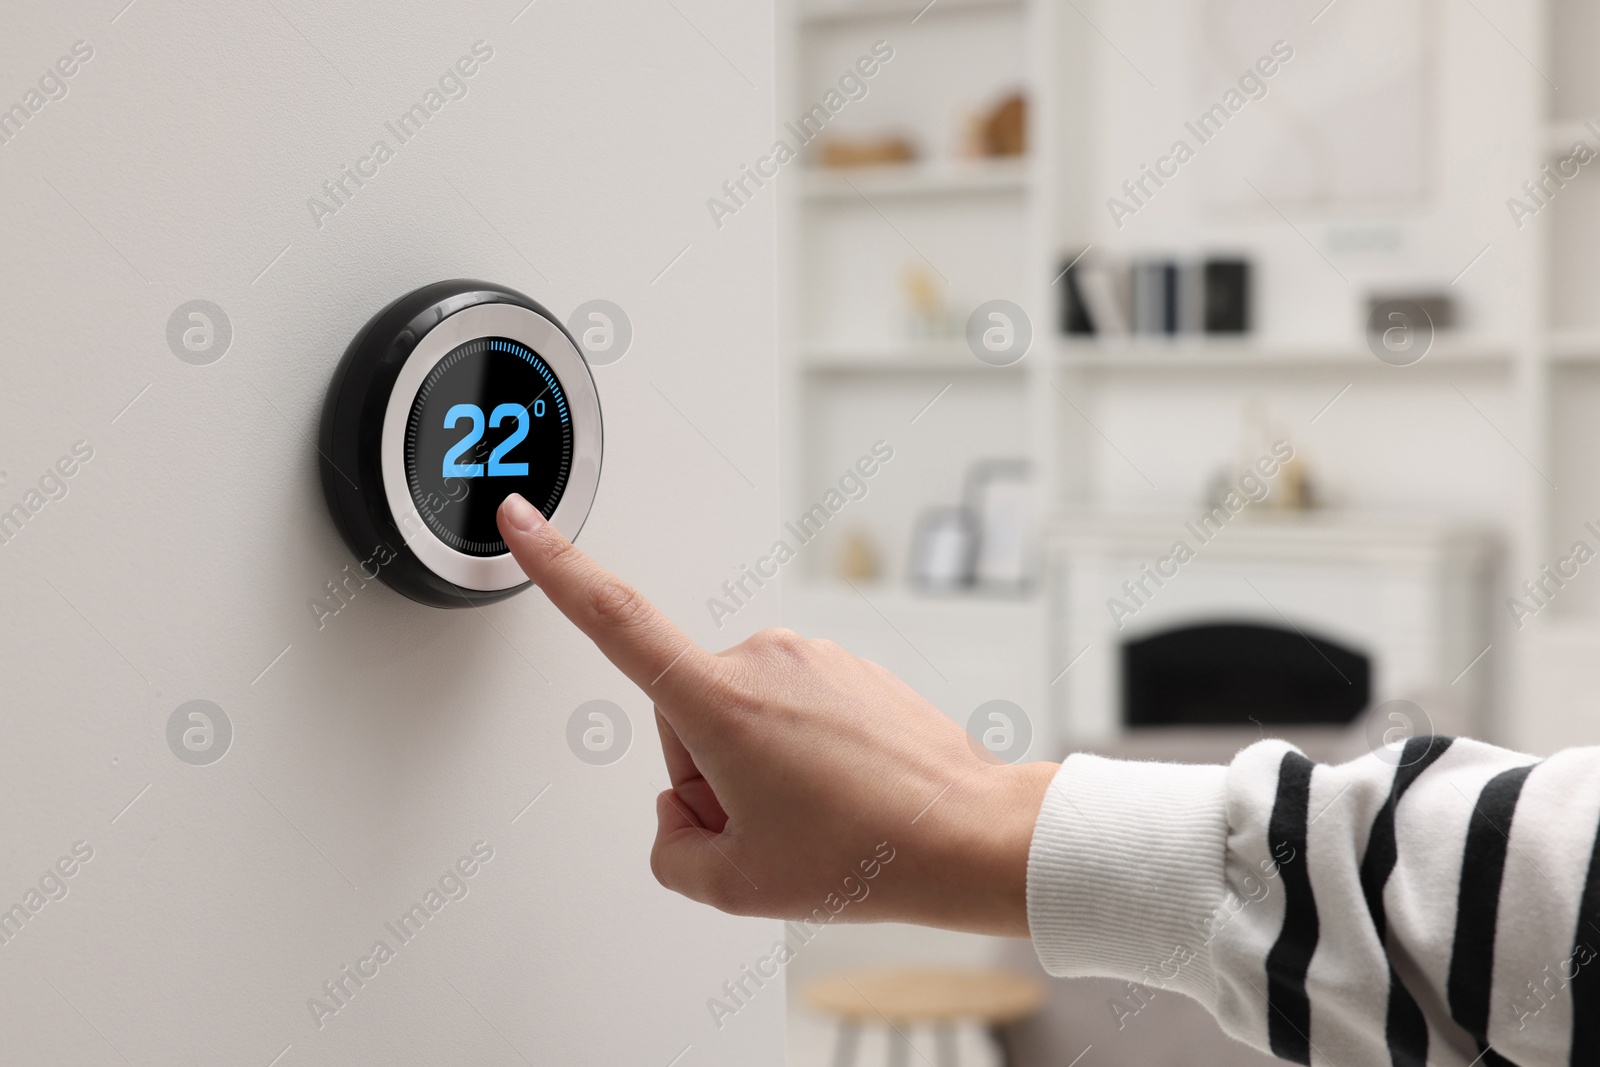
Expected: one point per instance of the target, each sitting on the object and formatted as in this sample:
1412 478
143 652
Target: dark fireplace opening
1217 674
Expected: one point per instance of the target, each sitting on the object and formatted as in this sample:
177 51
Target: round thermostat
449 400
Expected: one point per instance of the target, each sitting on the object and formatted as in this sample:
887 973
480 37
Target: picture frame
999 497
943 549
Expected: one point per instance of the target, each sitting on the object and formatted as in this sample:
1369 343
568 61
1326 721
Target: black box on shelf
1227 296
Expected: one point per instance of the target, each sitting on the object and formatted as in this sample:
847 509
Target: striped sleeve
1434 906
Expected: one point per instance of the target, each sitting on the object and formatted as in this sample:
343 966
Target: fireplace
1231 674
1277 623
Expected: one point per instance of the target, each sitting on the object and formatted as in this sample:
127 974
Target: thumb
686 859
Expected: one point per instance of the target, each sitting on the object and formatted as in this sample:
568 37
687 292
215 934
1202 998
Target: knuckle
781 641
616 603
722 684
552 549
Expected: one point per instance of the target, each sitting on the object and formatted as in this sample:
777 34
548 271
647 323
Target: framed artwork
1343 124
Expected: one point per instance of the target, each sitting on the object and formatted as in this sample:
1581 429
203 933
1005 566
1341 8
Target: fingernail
521 514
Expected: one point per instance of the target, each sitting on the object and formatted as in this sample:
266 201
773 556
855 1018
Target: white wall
378 750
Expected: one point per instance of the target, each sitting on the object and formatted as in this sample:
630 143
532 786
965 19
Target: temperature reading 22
498 467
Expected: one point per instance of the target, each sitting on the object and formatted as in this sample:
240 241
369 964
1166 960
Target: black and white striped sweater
1440 906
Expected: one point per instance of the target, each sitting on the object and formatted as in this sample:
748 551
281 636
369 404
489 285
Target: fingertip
626 627
530 537
520 515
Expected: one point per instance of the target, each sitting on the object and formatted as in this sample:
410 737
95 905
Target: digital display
489 420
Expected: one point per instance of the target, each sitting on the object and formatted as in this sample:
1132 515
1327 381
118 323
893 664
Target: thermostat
449 400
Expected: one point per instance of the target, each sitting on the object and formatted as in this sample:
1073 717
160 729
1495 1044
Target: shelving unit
1486 426
1557 671
1564 382
920 179
855 371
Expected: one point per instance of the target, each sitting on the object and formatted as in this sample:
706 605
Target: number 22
498 467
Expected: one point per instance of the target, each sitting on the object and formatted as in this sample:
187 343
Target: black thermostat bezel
350 437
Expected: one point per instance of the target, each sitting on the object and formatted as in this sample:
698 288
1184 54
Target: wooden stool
940 998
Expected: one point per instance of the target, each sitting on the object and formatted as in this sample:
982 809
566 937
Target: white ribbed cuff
1125 869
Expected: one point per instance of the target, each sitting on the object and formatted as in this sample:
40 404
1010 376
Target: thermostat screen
489 420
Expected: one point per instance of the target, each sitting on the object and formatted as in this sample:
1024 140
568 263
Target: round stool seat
989 997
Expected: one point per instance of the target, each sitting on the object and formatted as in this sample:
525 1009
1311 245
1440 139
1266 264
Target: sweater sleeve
1436 905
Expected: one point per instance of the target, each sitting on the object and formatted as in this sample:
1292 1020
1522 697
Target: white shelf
824 12
1581 347
1208 353
978 177
930 357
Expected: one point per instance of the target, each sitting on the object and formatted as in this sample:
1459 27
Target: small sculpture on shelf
1291 487
884 150
858 559
998 131
928 317
1005 133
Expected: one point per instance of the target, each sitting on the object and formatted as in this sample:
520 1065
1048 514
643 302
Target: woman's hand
795 766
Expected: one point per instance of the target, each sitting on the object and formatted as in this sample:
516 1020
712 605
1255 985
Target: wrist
978 880
1030 782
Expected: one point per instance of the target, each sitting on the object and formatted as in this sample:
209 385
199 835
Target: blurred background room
1163 374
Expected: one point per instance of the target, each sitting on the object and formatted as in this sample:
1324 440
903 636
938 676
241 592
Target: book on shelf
1155 297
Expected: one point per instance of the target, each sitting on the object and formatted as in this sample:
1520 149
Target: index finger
645 645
